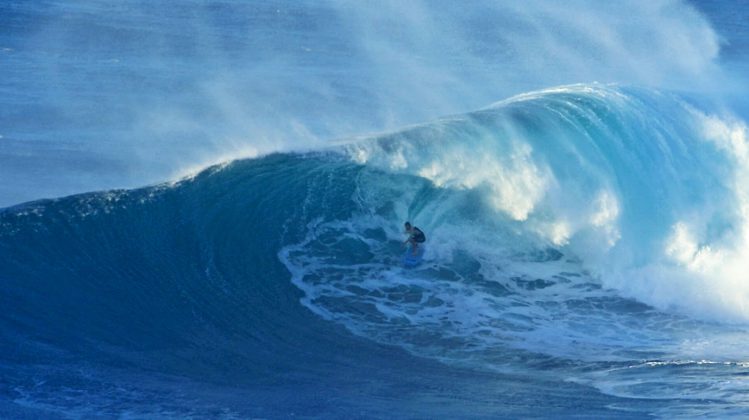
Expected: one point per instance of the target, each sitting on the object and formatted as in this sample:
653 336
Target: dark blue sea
202 207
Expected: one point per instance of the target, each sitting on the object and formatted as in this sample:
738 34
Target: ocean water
203 207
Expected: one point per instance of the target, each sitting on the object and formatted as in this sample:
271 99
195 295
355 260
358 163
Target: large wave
578 230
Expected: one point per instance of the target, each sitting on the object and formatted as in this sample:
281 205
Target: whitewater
208 223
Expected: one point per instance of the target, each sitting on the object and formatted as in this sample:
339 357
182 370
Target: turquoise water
587 235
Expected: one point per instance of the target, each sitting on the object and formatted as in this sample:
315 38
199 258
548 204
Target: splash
705 263
647 191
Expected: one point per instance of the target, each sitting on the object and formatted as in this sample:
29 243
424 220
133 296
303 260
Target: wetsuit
417 235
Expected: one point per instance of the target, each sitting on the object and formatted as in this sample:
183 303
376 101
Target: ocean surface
202 207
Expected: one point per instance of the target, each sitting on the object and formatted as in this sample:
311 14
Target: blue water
580 173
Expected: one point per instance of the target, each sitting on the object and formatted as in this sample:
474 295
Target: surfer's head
407 225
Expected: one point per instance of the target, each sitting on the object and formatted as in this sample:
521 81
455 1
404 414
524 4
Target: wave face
585 244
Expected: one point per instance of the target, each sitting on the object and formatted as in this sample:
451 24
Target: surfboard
412 260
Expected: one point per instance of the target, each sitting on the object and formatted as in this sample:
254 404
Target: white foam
700 272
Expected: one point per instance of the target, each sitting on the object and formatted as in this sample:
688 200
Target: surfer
415 237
